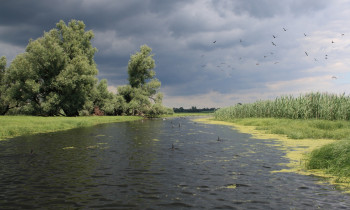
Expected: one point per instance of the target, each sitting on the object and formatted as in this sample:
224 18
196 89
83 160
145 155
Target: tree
140 67
56 74
3 104
141 96
104 99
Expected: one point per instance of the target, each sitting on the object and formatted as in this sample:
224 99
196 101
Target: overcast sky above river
208 53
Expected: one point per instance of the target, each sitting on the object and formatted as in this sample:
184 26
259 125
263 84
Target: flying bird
273 44
334 77
305 34
274 36
284 29
306 53
332 41
214 41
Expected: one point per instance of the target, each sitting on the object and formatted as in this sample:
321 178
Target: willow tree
142 96
56 73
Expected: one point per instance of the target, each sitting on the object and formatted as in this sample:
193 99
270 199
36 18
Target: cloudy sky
208 53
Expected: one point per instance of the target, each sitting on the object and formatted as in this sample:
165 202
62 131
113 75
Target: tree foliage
3 104
55 74
141 96
140 67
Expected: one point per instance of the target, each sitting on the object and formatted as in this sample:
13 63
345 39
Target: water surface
132 165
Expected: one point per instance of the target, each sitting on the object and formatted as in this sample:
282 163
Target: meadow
310 116
12 126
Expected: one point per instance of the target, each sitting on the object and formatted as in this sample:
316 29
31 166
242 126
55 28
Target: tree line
57 75
194 109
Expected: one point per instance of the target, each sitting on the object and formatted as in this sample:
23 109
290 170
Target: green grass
12 126
333 159
300 129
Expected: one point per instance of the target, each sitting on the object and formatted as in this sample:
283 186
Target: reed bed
317 105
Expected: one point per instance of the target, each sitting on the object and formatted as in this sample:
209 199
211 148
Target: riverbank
298 149
12 126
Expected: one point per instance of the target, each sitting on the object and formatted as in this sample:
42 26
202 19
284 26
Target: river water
154 164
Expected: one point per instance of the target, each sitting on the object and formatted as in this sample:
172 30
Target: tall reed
317 105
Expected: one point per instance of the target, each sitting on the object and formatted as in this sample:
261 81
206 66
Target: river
174 163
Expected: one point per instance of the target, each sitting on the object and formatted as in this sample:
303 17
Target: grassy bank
333 159
12 126
309 116
299 129
319 147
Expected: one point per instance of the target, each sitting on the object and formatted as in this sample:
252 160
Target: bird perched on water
334 77
219 138
305 34
173 148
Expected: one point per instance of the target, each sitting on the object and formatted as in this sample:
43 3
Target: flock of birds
274 43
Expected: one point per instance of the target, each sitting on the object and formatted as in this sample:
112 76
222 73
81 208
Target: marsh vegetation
309 116
316 105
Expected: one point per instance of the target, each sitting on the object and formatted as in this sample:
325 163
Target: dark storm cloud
269 8
200 46
261 9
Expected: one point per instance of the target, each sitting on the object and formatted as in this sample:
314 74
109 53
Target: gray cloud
242 62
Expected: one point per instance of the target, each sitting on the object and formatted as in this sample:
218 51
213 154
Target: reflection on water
132 165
